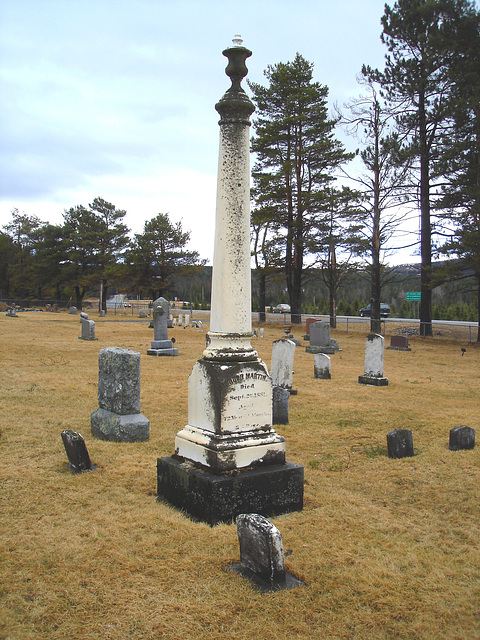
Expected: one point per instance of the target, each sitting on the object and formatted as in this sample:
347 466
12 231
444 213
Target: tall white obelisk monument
229 426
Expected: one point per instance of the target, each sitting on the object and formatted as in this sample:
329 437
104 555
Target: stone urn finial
235 105
236 69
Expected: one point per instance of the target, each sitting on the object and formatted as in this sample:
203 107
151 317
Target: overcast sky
115 98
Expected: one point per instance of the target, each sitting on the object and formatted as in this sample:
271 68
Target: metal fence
463 331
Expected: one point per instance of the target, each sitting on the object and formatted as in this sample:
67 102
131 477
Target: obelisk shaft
229 390
230 318
231 290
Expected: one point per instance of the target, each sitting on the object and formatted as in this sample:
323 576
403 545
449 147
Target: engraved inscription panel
248 402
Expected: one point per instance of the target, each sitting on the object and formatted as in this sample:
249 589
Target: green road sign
413 295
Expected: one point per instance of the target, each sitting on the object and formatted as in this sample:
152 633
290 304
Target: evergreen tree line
92 250
43 261
451 300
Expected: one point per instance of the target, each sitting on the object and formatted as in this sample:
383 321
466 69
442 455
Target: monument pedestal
326 350
164 351
107 425
270 490
230 417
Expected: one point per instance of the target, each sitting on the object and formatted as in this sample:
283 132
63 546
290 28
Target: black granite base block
269 491
373 381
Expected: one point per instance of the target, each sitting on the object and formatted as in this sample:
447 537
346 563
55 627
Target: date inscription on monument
248 402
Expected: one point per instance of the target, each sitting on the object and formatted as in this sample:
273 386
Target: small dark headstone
262 560
76 450
400 443
461 438
280 405
399 343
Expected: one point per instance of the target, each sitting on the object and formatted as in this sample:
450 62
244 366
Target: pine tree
112 241
417 81
159 253
297 155
459 162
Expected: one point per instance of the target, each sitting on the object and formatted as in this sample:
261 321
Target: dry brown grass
388 548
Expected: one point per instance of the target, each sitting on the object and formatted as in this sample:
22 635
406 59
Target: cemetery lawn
388 548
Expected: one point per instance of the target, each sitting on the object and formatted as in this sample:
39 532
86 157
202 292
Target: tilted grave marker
262 559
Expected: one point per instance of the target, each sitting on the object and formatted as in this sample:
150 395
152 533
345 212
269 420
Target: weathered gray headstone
161 345
48 308
400 443
262 332
83 315
55 308
12 313
320 340
322 366
373 369
280 399
261 547
88 328
281 369
399 343
142 314
76 450
262 559
187 319
461 438
73 311
118 417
